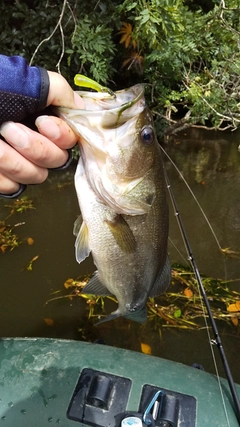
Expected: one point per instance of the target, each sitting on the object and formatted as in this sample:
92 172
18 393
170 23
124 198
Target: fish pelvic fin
82 249
122 233
162 281
95 287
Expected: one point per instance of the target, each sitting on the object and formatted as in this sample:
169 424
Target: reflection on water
211 164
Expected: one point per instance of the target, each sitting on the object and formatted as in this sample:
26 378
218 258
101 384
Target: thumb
61 94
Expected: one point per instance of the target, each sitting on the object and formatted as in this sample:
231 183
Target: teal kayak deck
38 378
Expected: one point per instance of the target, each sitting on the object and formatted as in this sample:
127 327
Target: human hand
29 154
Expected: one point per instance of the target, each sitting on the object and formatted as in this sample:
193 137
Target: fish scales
121 192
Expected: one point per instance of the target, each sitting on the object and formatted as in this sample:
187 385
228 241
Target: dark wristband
68 162
18 193
23 187
17 106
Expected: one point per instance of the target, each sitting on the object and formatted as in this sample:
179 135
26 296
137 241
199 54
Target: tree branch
59 24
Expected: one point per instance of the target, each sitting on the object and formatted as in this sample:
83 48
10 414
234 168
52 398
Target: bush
186 52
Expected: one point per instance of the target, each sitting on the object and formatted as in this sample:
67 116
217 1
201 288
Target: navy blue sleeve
23 89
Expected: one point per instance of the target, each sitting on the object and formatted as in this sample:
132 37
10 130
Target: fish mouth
104 109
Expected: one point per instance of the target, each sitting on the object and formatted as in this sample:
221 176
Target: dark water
211 164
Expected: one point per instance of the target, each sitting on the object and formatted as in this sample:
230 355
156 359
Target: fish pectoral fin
82 249
122 233
162 281
95 287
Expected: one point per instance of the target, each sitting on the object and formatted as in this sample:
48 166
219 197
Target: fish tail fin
139 316
112 316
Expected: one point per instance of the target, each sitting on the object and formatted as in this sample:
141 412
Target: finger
33 146
7 186
57 131
61 94
17 168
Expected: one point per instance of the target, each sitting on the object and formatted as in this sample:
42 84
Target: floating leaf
3 248
177 313
234 307
188 293
48 321
30 241
146 349
68 283
234 320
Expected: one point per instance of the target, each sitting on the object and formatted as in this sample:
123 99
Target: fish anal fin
82 249
122 233
162 281
95 287
77 225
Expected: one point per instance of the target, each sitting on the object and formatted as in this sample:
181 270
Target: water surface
211 164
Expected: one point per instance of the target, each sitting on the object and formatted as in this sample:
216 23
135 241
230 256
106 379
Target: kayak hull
73 383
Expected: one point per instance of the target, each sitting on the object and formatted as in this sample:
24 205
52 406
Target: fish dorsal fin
162 281
82 249
95 287
122 233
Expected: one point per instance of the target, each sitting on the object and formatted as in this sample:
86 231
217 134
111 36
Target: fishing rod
217 339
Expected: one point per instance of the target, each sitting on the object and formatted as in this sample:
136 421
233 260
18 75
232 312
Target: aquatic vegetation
183 307
180 308
29 265
8 238
20 205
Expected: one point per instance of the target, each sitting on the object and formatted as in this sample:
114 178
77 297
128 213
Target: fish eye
147 135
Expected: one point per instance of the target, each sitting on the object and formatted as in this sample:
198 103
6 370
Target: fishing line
178 251
217 339
194 197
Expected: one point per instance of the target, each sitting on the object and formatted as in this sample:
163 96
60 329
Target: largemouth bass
121 192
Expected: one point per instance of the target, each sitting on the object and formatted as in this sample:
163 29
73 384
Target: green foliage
92 46
84 36
186 51
191 58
